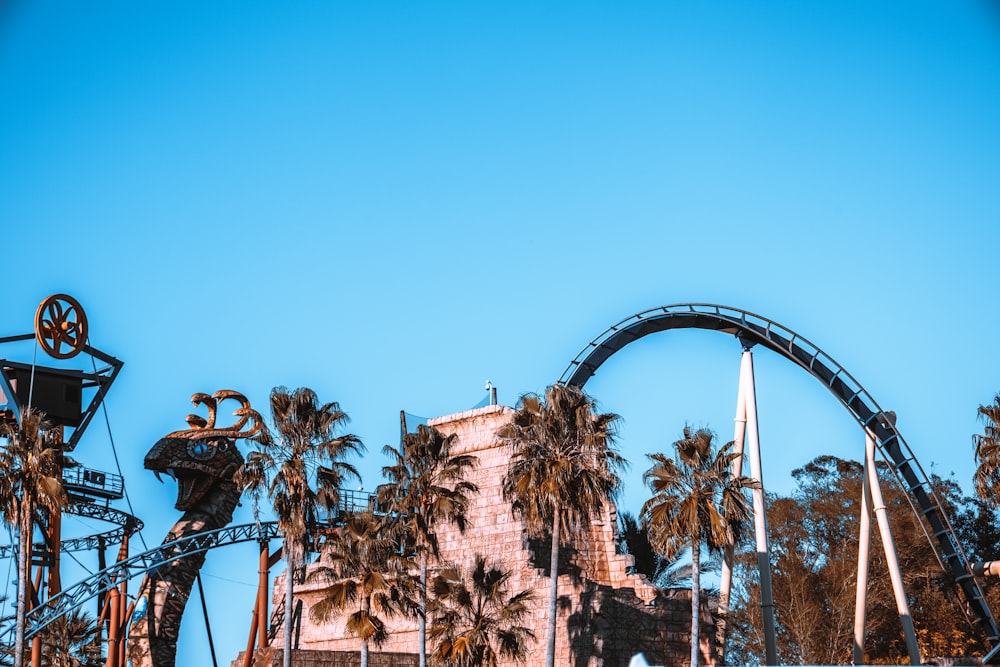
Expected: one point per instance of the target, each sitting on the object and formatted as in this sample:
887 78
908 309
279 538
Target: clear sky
392 202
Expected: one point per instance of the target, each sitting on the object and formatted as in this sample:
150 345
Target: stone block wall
605 614
302 658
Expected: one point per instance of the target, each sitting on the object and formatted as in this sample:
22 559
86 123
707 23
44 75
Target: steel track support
864 558
889 546
258 622
115 623
263 591
729 556
122 604
749 412
37 596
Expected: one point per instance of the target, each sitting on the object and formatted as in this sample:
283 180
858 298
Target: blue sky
394 202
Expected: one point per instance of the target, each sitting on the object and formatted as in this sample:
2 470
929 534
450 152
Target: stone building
606 615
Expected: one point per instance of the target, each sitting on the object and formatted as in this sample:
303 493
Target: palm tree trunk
23 577
695 599
364 653
289 583
550 630
422 637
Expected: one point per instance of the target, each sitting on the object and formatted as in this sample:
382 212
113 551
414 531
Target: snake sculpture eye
201 451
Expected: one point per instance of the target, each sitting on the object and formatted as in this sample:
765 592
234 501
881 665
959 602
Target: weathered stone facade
606 615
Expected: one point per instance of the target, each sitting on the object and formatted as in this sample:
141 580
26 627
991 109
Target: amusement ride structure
140 627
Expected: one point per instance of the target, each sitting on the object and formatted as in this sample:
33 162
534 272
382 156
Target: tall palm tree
427 487
301 469
697 504
476 626
563 469
364 568
987 444
30 480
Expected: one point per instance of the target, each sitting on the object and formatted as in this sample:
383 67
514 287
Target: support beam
759 510
864 558
114 629
263 591
895 574
728 560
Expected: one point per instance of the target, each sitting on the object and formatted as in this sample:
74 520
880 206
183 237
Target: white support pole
895 574
864 553
759 510
726 579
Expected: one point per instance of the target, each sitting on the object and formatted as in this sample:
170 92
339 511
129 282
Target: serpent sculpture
203 459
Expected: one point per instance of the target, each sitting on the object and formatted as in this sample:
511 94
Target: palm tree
427 486
475 627
69 641
368 572
988 453
301 469
30 480
563 468
696 503
633 539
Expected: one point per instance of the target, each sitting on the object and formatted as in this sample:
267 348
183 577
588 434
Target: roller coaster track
148 561
753 329
127 525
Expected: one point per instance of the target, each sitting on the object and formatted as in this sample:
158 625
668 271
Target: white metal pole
726 581
759 511
895 574
864 552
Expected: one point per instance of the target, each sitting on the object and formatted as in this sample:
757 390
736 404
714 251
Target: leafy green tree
300 468
987 454
696 504
477 625
363 569
427 487
30 481
563 469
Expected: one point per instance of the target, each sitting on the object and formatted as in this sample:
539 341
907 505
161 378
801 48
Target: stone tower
606 615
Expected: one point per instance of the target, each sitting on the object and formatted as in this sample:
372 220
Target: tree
476 626
697 504
563 469
814 552
987 445
365 568
301 470
427 487
633 539
31 480
69 641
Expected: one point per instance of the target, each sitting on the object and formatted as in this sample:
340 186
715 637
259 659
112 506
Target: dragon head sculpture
203 455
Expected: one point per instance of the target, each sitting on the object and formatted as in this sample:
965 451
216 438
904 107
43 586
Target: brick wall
333 659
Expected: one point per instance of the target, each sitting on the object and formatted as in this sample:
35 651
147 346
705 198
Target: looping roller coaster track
753 329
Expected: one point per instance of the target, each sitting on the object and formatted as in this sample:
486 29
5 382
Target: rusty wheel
60 322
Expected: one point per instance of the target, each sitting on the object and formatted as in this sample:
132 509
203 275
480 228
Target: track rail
138 565
127 525
753 329
148 561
